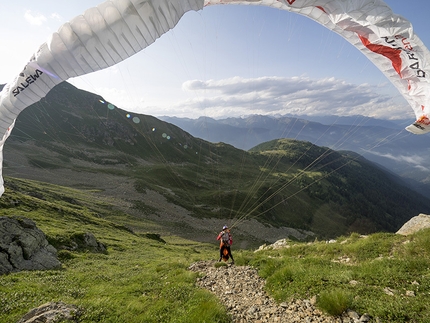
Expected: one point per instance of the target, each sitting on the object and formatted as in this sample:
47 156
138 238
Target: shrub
65 255
220 264
334 302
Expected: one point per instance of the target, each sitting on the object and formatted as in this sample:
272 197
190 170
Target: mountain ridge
77 139
383 142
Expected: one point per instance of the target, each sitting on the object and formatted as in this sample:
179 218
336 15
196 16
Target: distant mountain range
383 142
155 170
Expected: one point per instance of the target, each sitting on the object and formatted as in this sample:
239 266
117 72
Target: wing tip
418 128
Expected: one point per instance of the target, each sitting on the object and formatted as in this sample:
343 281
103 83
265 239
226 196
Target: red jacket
230 239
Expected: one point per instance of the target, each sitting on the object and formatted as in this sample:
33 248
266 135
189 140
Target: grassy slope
138 280
360 268
145 280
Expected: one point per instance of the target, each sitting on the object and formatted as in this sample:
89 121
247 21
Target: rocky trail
241 290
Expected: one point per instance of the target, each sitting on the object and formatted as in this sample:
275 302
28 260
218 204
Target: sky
225 61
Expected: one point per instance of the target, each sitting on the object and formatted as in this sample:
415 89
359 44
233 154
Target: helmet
225 227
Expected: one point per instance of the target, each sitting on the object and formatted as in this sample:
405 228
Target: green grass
334 302
142 278
353 273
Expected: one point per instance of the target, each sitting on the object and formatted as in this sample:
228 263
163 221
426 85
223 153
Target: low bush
334 302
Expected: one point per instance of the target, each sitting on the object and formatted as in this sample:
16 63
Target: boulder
23 246
84 242
419 222
90 243
52 313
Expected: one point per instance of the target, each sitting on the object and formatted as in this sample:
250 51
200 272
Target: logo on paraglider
291 1
28 80
399 50
406 47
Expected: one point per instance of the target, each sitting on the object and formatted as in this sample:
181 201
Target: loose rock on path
242 292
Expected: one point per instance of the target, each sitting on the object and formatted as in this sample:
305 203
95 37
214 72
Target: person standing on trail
226 241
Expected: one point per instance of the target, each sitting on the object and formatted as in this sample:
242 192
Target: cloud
38 19
35 19
296 95
56 17
415 160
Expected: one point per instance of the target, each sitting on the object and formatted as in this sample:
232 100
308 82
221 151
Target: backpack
225 237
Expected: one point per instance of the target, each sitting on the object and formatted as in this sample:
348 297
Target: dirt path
242 292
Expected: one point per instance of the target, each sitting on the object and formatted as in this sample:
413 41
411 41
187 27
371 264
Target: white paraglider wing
116 29
103 36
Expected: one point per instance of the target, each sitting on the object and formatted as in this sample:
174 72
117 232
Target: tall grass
334 302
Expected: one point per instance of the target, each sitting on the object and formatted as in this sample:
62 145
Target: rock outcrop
24 247
84 242
52 313
91 244
419 222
